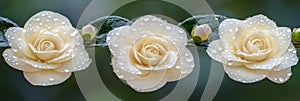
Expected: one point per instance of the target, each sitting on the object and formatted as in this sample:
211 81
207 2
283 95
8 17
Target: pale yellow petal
153 79
259 22
289 58
44 55
80 61
282 40
47 20
280 76
46 77
265 65
154 25
243 74
215 49
187 62
228 30
19 43
13 60
123 74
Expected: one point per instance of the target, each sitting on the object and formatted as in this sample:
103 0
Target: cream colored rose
48 49
150 53
254 49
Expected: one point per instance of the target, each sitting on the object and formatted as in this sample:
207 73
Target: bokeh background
13 86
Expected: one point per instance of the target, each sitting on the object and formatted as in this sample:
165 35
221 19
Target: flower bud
201 33
296 35
88 32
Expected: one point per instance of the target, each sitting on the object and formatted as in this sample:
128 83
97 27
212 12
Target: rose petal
55 39
259 22
289 59
48 20
228 30
32 34
80 61
186 62
215 49
169 63
118 39
243 74
156 25
65 54
281 41
159 85
174 73
12 59
68 35
46 77
255 56
40 65
44 55
264 65
153 79
126 62
232 57
124 74
15 38
280 76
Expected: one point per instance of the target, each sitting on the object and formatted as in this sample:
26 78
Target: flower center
150 51
258 43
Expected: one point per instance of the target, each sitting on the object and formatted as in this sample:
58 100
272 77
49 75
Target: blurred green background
14 87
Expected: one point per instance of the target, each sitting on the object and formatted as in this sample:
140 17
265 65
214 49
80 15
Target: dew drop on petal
189 59
289 74
51 79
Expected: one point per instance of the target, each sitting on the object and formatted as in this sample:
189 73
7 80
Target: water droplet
294 51
66 70
51 79
186 54
289 74
146 19
133 29
180 31
55 19
37 19
220 48
214 51
230 63
183 72
177 67
168 27
63 23
121 76
281 79
189 59
117 34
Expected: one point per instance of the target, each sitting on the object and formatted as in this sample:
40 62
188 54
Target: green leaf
212 20
106 24
4 25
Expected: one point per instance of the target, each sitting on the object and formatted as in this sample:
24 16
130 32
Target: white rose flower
150 53
254 49
48 49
